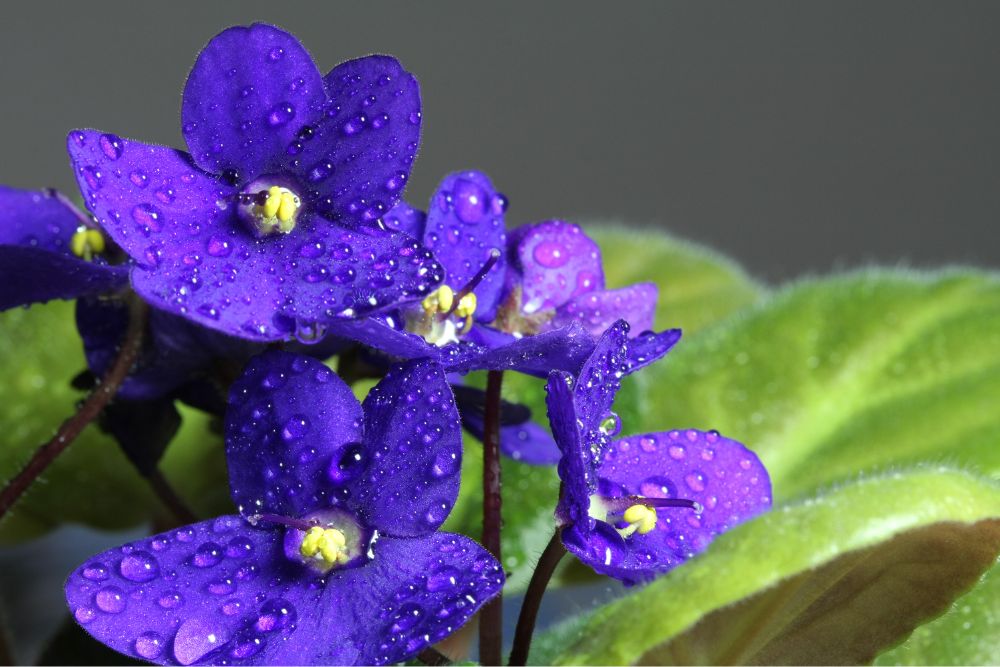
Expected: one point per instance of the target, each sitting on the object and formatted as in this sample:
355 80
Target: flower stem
168 496
432 656
88 411
491 616
546 565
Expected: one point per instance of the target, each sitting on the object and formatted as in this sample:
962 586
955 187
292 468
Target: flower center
638 512
269 208
86 243
324 540
328 546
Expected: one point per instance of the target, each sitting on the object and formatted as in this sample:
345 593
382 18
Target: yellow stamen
467 305
86 243
439 301
272 203
326 545
288 206
641 519
278 213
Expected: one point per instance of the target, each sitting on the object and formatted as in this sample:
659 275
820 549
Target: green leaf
834 377
969 634
829 580
91 482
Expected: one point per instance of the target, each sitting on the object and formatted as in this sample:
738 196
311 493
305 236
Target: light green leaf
92 482
830 580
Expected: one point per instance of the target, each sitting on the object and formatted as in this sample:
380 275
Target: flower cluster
280 240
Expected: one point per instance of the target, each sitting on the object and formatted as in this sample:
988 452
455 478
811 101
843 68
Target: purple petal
293 429
176 597
464 225
416 592
563 349
376 333
598 381
152 200
414 442
32 275
357 159
556 261
41 219
271 289
576 465
722 475
529 443
599 309
250 92
648 347
404 218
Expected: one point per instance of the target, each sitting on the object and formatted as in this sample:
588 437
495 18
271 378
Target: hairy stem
540 578
170 499
89 410
491 616
432 656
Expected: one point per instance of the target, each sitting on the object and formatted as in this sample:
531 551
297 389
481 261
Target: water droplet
246 645
657 486
196 637
207 555
498 204
239 547
171 600
350 463
275 615
695 481
148 216
445 464
676 452
281 114
408 616
149 645
95 571
110 599
296 427
276 54
140 566
111 146
442 579
353 126
221 587
470 201
611 425
84 615
550 254
745 464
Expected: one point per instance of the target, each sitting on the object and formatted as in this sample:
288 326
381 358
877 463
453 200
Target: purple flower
335 556
50 250
272 222
531 301
638 506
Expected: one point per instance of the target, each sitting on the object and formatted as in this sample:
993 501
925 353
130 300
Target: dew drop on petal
196 637
149 645
140 566
110 600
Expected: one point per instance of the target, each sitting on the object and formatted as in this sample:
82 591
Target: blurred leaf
71 645
92 482
839 376
969 634
831 580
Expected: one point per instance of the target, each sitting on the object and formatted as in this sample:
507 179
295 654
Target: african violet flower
638 506
272 221
335 556
50 250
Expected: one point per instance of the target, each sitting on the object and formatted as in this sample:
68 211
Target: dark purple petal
599 309
464 225
414 448
529 443
293 429
357 159
563 349
176 597
249 93
41 219
556 261
152 200
278 287
648 347
376 333
576 463
404 218
598 381
32 275
414 593
723 476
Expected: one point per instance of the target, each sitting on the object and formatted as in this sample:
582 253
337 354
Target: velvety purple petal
407 219
723 476
529 443
42 219
576 464
176 597
414 449
292 429
414 593
249 93
598 381
376 333
33 275
464 225
648 347
152 200
556 261
356 161
599 309
283 286
563 349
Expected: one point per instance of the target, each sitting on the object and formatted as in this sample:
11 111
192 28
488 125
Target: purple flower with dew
50 250
335 557
271 225
635 507
479 318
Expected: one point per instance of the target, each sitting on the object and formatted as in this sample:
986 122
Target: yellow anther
326 545
277 213
467 305
272 203
640 519
288 206
439 301
86 243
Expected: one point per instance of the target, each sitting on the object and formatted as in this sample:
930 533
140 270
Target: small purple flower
635 507
50 250
272 222
335 556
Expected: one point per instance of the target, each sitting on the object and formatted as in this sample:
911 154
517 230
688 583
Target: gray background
797 137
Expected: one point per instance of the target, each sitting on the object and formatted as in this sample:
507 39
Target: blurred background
796 137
